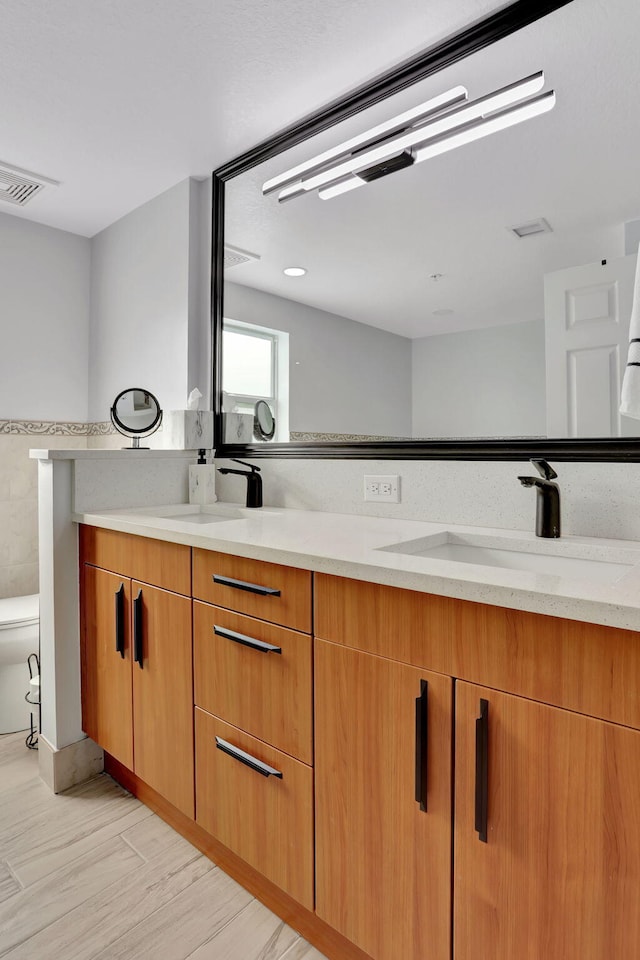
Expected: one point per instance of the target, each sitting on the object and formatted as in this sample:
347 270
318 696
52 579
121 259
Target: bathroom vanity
402 755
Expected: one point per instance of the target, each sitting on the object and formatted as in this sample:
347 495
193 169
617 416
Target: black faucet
254 481
548 499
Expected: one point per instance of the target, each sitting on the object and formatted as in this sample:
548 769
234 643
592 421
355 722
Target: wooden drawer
156 562
265 820
583 667
268 591
265 692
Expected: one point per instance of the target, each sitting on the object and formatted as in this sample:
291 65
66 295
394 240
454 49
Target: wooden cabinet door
383 864
163 694
559 873
106 662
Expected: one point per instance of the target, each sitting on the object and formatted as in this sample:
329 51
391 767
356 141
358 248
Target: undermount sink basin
195 517
190 513
555 558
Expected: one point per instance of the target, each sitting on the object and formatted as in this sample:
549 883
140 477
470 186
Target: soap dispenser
202 481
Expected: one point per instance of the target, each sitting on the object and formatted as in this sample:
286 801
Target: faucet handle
243 463
544 469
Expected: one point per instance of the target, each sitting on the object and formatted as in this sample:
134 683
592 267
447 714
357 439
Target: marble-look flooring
92 873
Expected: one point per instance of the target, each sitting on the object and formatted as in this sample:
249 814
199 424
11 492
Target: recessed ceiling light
294 271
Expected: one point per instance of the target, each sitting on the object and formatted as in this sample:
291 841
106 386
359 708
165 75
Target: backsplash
597 499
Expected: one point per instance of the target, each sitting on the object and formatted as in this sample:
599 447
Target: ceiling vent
234 256
531 229
19 186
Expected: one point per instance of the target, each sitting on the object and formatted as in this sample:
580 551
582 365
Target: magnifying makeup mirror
264 422
136 413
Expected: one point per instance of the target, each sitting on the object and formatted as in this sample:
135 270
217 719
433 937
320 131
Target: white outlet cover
382 489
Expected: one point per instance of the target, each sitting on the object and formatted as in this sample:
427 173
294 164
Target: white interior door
587 311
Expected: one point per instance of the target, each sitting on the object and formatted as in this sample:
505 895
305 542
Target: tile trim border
55 428
296 436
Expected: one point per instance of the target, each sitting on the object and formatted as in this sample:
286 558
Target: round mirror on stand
136 413
264 422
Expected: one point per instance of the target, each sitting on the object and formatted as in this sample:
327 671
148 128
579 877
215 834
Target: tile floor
92 873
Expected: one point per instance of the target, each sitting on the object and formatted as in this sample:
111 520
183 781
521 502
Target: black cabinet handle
246 641
243 585
120 621
482 770
422 729
137 629
262 768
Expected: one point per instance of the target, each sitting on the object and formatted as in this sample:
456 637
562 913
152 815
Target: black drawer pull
120 621
482 770
137 629
243 585
247 759
246 641
422 729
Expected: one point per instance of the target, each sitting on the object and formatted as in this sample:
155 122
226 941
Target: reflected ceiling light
294 271
437 134
401 122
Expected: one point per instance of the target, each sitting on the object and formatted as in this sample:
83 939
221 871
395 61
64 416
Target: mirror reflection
482 290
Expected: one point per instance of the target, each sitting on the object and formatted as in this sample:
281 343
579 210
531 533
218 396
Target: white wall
44 314
345 377
480 383
142 292
199 335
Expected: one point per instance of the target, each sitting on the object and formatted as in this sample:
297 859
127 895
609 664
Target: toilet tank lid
19 610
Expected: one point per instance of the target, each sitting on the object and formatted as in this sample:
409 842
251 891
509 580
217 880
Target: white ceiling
120 100
370 253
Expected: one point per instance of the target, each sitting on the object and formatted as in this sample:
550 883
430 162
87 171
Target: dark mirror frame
479 35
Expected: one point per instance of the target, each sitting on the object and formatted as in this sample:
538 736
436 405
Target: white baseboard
61 769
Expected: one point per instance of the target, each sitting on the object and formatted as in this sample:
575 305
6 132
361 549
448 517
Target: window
256 367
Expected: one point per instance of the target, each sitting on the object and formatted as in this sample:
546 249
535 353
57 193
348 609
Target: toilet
19 634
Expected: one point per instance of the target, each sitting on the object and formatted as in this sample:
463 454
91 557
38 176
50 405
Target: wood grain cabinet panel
288 601
105 654
265 820
163 696
559 875
256 676
158 562
558 661
138 704
383 863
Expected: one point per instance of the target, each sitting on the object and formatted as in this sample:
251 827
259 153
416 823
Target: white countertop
351 546
126 453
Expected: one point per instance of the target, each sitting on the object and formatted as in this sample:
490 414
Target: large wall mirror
468 242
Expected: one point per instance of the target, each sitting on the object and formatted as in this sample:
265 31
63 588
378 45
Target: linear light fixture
400 123
482 128
459 125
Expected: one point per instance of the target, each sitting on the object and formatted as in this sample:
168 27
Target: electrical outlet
382 489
